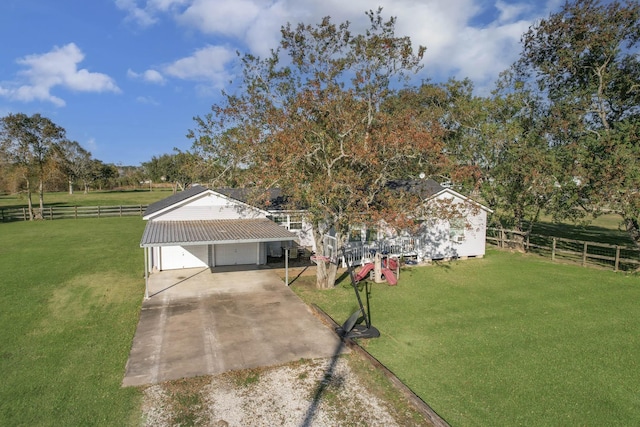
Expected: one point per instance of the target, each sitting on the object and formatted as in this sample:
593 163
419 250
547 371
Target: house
451 225
200 227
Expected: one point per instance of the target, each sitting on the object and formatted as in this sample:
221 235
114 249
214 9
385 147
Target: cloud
149 76
208 64
464 38
147 100
59 67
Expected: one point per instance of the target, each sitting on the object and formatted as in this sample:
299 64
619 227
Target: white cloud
208 64
149 76
136 14
456 44
59 67
147 100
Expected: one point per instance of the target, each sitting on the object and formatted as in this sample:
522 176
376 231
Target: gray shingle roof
424 188
176 198
184 233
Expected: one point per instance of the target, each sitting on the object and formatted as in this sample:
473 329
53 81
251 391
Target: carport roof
185 233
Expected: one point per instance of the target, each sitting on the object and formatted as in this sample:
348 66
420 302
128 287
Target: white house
451 226
199 227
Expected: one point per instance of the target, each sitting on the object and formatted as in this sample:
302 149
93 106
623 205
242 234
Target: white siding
211 206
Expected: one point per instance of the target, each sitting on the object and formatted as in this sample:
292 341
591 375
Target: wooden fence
618 257
66 212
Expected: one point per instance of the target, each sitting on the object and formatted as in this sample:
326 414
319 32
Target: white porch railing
363 252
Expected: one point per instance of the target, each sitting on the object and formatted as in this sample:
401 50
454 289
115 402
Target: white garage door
236 254
174 257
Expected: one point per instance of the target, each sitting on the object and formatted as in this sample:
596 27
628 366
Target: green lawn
93 198
603 229
508 340
69 303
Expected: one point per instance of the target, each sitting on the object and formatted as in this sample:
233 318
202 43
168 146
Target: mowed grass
69 303
508 340
93 198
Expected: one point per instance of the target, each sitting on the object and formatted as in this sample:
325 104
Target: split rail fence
618 257
67 212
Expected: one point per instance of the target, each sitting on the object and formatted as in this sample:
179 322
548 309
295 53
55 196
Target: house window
295 222
456 229
355 235
372 234
291 222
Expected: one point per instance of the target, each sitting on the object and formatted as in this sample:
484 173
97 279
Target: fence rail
618 257
66 212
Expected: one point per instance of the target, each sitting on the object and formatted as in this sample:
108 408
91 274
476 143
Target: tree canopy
584 60
308 119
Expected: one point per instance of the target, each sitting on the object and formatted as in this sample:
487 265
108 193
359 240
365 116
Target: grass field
93 198
69 304
508 340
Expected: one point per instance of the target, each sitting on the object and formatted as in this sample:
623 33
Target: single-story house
200 227
451 225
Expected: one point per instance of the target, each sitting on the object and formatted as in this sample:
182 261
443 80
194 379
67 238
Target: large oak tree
585 61
308 119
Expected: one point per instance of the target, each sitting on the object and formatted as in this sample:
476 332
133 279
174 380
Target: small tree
307 119
74 162
27 142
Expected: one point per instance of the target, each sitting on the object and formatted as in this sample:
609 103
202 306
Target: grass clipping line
323 392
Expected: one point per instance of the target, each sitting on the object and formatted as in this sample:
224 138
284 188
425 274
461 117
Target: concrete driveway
201 323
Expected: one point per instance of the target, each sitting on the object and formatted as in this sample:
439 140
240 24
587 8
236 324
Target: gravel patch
322 392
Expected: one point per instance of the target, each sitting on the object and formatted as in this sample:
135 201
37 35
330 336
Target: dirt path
308 393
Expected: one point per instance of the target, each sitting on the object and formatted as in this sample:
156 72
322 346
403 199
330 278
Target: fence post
140 210
98 211
584 255
50 213
75 212
120 210
617 263
24 214
553 250
526 248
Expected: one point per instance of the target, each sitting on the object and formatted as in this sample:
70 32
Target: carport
205 240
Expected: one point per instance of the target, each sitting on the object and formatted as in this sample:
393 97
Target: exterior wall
436 238
176 257
211 206
446 239
303 231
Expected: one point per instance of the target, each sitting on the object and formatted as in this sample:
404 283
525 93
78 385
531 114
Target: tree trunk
70 187
30 204
41 195
326 273
633 228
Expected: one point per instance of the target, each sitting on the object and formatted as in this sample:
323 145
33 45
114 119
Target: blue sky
126 77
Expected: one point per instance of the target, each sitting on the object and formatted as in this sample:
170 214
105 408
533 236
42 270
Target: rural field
509 339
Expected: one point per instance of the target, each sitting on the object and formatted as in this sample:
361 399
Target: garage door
174 257
237 254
